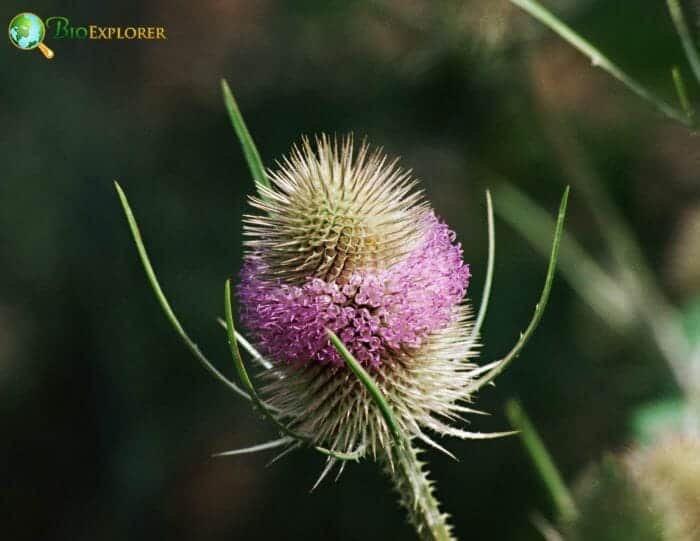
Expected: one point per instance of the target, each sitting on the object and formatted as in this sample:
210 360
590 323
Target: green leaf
252 156
595 285
539 308
681 92
691 52
546 17
486 294
163 301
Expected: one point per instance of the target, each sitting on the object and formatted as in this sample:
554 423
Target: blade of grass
486 295
163 301
563 501
679 84
539 12
635 277
250 151
691 52
539 308
370 385
595 285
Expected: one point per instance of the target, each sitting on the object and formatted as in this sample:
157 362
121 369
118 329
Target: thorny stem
416 493
598 59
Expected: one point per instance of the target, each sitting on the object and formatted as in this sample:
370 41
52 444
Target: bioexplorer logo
27 32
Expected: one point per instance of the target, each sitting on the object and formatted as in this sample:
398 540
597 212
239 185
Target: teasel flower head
353 291
345 242
650 492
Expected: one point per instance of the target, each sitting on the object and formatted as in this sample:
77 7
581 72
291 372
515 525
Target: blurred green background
108 423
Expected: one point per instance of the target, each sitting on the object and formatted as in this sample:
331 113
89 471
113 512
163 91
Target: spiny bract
347 243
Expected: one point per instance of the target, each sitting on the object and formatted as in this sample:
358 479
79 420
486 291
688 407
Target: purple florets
373 312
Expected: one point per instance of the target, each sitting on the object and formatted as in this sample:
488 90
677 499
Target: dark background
108 423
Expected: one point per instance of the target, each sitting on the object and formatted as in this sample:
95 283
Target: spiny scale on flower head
348 244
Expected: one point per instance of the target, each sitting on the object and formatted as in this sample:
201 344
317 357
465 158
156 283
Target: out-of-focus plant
685 114
353 292
650 492
626 292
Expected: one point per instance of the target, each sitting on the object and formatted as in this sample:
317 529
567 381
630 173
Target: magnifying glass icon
27 32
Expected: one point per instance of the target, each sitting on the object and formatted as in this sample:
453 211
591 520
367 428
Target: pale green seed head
331 211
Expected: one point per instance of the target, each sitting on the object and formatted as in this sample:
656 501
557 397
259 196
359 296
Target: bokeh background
108 423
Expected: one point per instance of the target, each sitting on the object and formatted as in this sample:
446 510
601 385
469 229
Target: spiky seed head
332 212
669 474
651 492
348 244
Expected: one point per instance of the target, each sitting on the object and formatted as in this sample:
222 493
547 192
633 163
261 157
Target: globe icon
27 32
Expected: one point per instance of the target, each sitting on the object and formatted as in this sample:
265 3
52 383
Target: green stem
598 59
401 462
542 460
416 493
682 93
679 22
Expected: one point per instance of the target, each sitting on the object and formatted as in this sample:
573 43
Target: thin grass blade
691 51
163 301
542 460
486 294
539 308
539 12
250 151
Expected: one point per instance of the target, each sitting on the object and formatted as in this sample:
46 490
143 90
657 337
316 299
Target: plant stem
679 22
598 59
542 460
682 93
401 462
416 493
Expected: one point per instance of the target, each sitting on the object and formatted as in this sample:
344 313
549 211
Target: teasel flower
649 492
352 292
